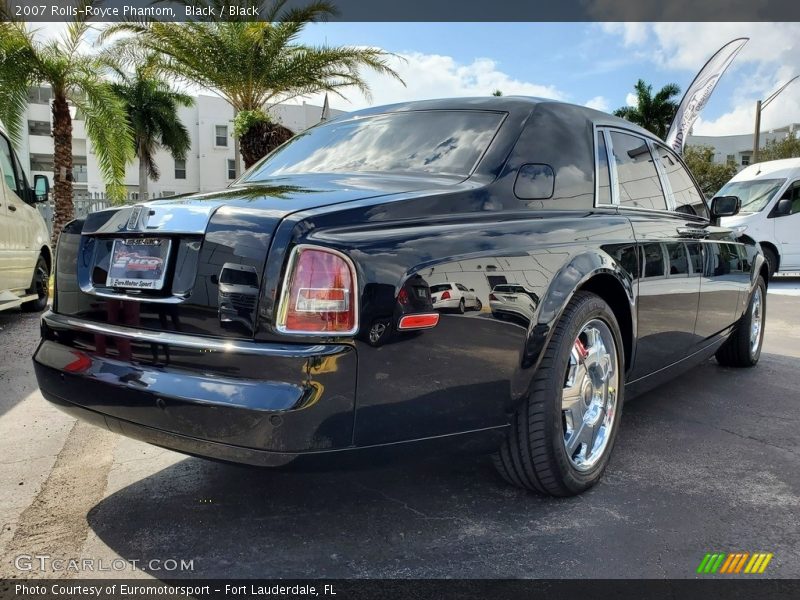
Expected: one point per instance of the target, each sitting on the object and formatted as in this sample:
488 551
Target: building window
231 169
39 128
730 159
180 169
221 136
745 160
39 95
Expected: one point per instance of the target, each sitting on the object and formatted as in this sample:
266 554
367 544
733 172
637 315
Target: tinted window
684 193
793 194
636 173
535 182
603 174
7 165
440 142
461 287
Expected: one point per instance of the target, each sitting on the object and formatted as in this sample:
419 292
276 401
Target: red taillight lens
402 297
319 293
423 321
492 298
445 296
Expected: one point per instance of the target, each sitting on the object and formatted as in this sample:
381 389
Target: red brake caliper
582 351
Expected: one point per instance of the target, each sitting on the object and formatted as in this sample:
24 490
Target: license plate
138 263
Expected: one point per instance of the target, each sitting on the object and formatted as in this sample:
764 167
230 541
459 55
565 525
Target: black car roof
510 104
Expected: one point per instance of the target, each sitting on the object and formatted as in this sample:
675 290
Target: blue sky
595 64
582 62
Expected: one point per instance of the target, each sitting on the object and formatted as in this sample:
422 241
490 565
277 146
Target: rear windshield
754 194
509 289
441 142
439 288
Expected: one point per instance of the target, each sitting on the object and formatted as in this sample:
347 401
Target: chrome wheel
756 317
376 332
589 397
41 283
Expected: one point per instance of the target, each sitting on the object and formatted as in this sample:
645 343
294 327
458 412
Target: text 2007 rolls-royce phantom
290 316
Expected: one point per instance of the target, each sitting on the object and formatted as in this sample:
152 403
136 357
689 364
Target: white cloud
598 103
769 59
631 99
438 76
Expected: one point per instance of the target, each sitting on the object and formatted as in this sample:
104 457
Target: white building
738 149
209 164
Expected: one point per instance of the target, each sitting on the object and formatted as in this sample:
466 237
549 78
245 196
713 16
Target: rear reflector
424 321
319 293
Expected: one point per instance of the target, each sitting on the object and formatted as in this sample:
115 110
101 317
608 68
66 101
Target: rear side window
685 195
639 186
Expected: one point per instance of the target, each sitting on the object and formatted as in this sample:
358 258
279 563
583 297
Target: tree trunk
260 140
62 164
144 177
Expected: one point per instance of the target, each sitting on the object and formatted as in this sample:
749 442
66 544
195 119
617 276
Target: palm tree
654 113
253 65
75 78
152 109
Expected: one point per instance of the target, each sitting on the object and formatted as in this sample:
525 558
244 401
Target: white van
770 210
25 258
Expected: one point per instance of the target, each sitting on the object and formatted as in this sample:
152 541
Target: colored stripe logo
734 563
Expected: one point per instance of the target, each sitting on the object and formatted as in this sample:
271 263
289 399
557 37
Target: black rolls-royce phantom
323 255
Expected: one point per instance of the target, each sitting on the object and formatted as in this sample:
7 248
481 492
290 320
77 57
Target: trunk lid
204 255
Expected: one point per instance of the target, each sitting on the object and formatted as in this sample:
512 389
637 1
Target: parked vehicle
454 296
636 282
25 257
770 211
385 313
511 300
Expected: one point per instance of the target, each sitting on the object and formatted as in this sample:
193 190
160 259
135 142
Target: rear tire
478 305
772 261
461 307
535 454
743 347
39 286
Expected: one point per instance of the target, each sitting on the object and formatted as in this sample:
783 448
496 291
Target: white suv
25 258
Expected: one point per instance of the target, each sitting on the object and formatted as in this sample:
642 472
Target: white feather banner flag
699 91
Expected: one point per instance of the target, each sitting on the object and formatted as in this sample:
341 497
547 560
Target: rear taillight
445 296
492 298
319 293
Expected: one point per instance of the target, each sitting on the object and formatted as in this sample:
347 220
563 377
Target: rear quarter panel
470 371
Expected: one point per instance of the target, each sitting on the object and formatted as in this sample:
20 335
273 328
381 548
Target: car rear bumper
451 303
247 402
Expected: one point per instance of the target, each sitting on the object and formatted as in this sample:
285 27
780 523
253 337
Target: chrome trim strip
666 186
181 340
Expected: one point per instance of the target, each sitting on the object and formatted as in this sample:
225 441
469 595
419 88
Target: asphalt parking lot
706 463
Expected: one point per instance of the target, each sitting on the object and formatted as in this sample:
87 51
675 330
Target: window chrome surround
283 303
599 130
666 187
612 165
